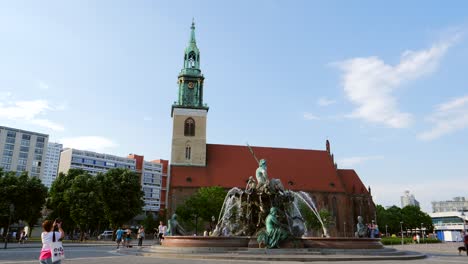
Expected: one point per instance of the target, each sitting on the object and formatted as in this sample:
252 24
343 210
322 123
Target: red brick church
195 164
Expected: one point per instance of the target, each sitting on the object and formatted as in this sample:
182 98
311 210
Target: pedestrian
418 238
128 238
22 237
162 229
465 241
141 236
48 226
119 235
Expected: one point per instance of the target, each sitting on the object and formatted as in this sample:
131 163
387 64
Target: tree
121 195
26 194
57 202
312 222
204 204
413 217
150 224
32 195
84 202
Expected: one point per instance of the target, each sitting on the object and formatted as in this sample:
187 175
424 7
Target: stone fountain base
248 242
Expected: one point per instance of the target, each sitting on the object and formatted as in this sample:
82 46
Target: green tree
312 222
84 202
121 195
26 194
57 203
32 195
150 224
204 204
413 218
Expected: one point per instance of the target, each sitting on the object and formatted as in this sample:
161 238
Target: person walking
162 229
465 241
119 235
141 236
48 226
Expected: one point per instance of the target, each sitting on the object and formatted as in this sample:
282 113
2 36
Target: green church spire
190 77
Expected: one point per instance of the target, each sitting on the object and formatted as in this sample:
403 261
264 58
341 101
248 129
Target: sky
385 82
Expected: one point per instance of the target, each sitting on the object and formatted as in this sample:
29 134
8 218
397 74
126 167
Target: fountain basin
250 242
202 241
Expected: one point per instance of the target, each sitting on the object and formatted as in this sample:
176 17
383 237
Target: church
195 164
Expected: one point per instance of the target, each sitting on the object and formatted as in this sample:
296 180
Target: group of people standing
124 237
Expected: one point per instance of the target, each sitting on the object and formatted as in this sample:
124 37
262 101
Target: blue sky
384 82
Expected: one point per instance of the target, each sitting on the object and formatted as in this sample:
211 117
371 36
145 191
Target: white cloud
369 82
447 118
323 101
28 111
353 161
93 143
43 85
310 116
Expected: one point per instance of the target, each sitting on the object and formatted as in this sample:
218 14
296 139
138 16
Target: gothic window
188 152
189 127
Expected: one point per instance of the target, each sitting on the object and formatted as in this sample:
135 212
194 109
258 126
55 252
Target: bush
407 240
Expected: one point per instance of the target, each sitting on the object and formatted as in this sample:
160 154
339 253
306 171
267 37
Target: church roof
352 183
230 166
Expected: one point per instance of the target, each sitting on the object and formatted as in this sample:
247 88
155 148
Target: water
242 214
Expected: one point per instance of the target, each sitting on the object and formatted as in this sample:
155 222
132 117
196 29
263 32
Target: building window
11 134
40 139
6 167
189 127
10 140
22 162
26 137
39 145
9 147
24 149
188 152
6 160
21 168
25 142
7 153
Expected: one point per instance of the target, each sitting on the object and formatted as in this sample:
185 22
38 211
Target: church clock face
190 85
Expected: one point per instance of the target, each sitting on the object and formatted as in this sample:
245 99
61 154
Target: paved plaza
106 253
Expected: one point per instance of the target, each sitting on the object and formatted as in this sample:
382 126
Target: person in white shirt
162 229
48 226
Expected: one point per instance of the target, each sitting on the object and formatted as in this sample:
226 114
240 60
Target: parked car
106 235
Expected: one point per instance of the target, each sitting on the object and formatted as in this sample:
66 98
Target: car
106 234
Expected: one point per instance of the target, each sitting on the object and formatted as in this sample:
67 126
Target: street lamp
196 224
12 209
463 218
386 230
401 229
422 234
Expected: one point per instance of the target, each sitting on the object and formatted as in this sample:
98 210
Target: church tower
188 112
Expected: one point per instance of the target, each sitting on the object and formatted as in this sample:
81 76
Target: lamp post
422 234
12 209
463 218
213 223
196 224
401 230
386 230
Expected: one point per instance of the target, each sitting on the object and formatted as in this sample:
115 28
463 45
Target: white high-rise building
51 163
22 150
408 199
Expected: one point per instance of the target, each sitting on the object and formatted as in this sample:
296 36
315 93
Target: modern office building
408 199
92 162
51 163
22 150
457 204
150 173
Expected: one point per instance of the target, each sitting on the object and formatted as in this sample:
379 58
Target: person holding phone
48 227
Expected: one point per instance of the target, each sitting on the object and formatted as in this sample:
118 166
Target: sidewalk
89 243
446 248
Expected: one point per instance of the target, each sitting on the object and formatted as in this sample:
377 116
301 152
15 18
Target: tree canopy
411 216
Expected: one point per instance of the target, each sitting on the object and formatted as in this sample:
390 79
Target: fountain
265 214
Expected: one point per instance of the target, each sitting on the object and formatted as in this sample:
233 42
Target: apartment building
51 163
22 150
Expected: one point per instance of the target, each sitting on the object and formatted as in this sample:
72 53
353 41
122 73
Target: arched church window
188 152
189 127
